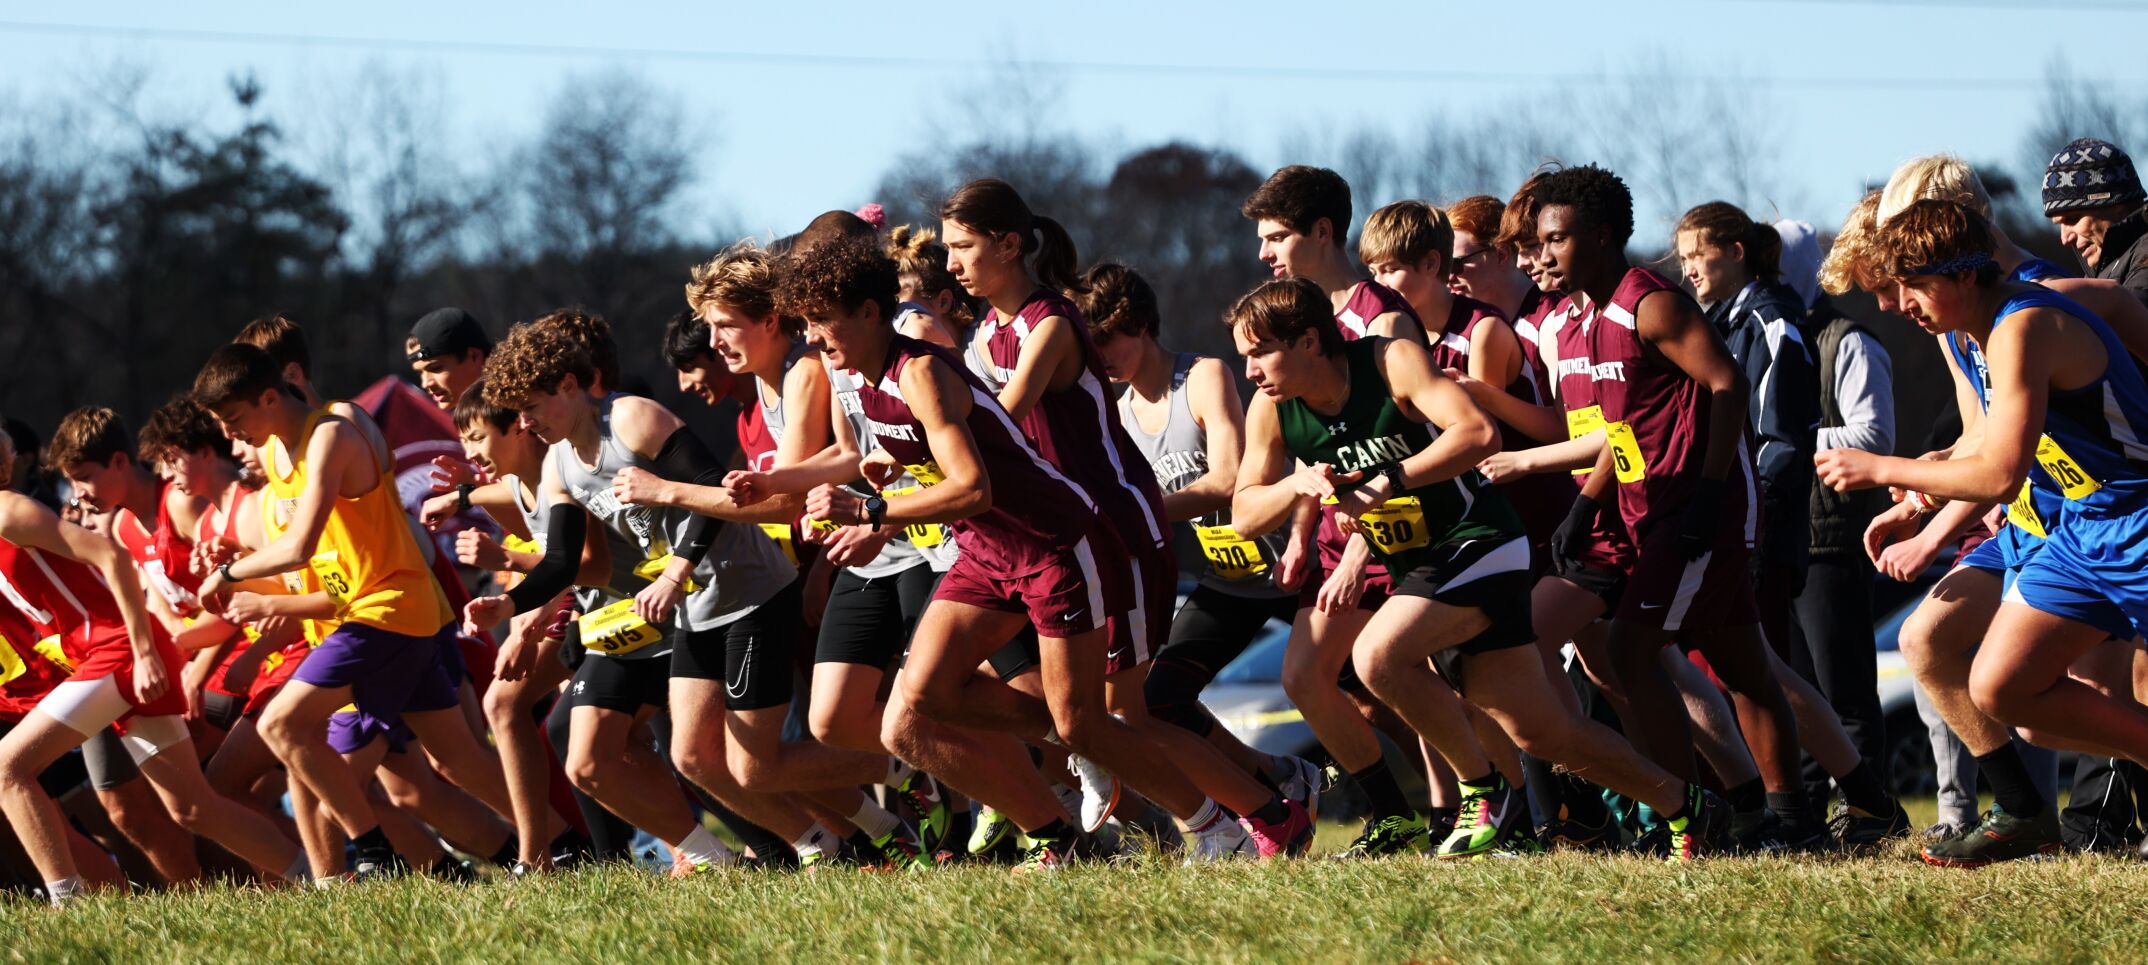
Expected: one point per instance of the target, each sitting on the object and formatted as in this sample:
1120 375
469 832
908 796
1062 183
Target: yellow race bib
2073 481
781 534
51 650
616 629
11 665
927 474
920 535
1581 422
1396 526
333 579
1233 556
653 568
1625 452
2022 512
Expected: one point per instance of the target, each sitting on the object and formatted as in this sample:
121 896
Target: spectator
2094 196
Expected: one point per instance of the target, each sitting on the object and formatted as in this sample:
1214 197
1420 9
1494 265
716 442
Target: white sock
1208 813
812 841
58 892
299 872
701 847
876 821
898 772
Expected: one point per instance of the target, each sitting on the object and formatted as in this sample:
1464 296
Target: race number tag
516 544
920 535
1625 452
50 649
781 533
2022 512
927 474
652 569
1399 525
1581 422
11 665
2073 482
329 567
615 629
1234 557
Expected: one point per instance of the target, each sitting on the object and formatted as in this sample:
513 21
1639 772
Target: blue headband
1960 263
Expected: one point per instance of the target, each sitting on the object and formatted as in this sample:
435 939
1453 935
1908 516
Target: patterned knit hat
2090 174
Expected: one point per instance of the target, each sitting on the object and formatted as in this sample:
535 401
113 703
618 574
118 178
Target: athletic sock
874 821
898 772
1058 830
1747 797
1790 807
1544 789
701 847
1204 816
571 843
1861 790
1273 812
58 892
1381 792
1583 802
814 841
2011 787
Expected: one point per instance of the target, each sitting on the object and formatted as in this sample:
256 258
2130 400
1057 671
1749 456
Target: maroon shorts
1076 591
1330 542
1138 632
1670 592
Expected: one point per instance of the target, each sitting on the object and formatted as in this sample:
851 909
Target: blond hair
1853 260
741 277
1944 177
1407 232
919 254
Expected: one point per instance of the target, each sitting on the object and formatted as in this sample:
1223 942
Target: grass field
1557 908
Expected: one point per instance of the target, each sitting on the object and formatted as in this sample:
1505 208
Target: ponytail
1723 224
993 207
1056 256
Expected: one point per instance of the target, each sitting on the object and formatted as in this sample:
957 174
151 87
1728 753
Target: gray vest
743 567
1179 455
624 582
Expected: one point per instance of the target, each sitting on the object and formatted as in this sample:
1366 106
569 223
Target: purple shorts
387 673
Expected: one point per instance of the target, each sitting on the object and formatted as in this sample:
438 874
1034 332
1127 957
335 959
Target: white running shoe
1303 784
1224 840
1099 792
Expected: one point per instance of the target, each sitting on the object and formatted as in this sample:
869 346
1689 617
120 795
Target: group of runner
1501 483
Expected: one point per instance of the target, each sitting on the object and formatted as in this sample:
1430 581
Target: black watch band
1393 472
462 495
876 510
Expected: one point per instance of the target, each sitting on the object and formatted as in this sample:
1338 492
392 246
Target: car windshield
1262 661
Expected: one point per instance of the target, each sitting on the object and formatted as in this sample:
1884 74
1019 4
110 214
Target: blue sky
834 90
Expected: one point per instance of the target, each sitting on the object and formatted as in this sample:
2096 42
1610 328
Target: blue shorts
2005 553
2092 570
387 673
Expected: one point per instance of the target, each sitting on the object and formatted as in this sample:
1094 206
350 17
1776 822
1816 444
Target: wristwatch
876 509
462 495
1393 472
224 570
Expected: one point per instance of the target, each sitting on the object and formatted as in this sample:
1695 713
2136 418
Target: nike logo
1654 606
737 688
1072 616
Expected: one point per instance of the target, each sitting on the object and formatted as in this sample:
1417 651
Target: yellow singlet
366 559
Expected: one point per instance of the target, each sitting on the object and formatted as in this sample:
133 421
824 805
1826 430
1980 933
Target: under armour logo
1338 428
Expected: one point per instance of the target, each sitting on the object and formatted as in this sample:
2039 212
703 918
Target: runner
1182 412
2082 585
1376 427
447 350
935 308
728 589
80 587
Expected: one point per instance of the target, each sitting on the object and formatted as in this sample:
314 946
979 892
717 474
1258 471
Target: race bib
329 567
1233 556
1396 526
2022 512
1625 452
517 544
1581 422
11 665
50 649
920 535
615 629
927 474
781 533
2073 481
652 568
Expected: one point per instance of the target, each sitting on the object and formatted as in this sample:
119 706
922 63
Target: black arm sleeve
565 525
684 459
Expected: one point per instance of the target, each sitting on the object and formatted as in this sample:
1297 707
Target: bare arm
941 401
1676 330
26 523
1050 352
1214 401
334 451
1263 500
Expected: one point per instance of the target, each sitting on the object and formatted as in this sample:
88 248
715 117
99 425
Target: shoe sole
1118 790
2047 851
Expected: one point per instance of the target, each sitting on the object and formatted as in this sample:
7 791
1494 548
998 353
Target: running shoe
929 806
1040 855
1862 832
1703 828
2000 837
1289 839
1222 840
1492 816
1303 783
1946 831
1393 834
902 851
379 867
453 870
1756 832
685 867
1566 834
992 828
1100 791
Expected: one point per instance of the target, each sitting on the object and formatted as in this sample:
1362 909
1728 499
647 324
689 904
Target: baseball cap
447 331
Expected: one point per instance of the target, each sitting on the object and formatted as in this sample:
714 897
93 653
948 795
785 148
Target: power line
2039 6
1533 77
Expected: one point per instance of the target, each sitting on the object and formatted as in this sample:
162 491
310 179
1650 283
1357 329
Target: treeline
131 246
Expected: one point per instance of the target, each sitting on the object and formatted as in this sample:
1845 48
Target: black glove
1704 512
1572 536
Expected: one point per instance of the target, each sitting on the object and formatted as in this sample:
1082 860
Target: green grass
1557 908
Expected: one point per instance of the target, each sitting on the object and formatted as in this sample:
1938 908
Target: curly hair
1117 301
178 427
1597 195
89 434
1931 234
595 334
838 277
1852 261
920 257
533 359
